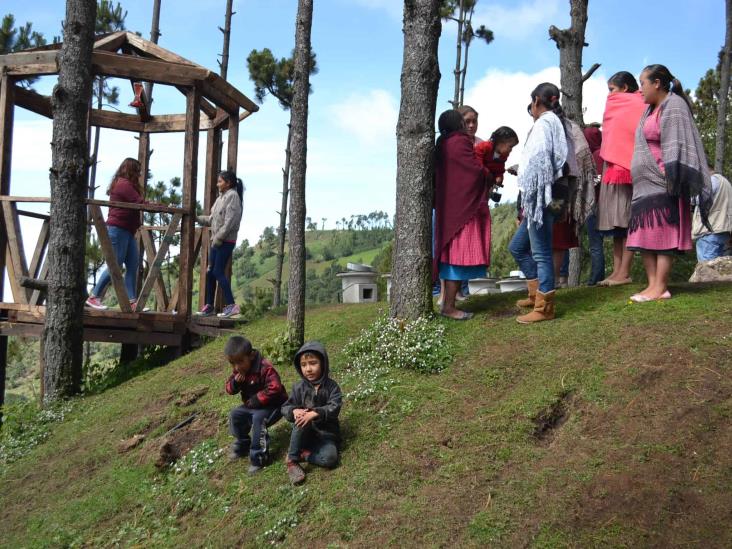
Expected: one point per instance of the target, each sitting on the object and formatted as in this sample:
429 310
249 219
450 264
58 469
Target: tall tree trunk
724 78
412 260
298 146
277 298
63 330
464 71
570 43
224 63
460 22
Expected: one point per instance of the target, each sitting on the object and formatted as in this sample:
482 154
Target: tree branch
590 72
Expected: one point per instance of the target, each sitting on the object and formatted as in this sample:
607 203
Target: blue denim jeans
711 246
597 251
218 257
531 247
324 452
242 420
125 250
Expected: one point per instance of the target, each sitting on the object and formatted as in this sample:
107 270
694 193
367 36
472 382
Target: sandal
465 316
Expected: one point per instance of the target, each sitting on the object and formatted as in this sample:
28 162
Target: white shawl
542 160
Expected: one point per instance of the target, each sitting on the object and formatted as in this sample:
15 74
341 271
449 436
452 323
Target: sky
355 101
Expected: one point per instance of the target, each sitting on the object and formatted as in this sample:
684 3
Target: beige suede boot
533 286
543 309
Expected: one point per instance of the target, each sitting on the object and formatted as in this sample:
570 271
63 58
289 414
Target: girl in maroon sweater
122 225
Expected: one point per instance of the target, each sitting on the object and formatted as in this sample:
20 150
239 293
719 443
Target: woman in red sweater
122 225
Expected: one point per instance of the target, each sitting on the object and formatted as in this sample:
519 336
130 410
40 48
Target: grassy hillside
608 427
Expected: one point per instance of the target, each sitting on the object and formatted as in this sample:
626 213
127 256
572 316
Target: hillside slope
609 426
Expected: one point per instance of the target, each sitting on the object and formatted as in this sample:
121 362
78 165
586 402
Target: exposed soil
176 444
191 396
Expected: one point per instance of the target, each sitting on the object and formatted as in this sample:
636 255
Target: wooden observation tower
212 105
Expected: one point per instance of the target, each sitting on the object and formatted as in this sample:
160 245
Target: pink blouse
652 133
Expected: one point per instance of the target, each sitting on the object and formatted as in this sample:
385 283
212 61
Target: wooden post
213 165
232 149
190 171
6 143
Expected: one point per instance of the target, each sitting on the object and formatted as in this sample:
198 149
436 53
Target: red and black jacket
261 388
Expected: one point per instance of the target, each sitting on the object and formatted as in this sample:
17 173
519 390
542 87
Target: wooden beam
214 81
110 257
15 246
232 147
6 146
140 68
116 120
160 294
158 208
16 289
190 175
35 215
154 267
220 98
35 264
38 294
29 63
152 49
111 42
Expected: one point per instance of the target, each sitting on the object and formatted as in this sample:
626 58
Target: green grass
643 458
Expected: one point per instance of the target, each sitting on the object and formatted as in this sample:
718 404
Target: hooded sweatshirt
322 396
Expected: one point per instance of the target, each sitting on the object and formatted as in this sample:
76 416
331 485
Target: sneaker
95 303
207 310
235 453
295 472
229 310
254 469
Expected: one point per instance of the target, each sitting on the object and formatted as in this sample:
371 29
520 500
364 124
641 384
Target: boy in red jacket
493 153
262 394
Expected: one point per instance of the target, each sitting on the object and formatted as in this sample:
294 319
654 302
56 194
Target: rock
167 454
130 443
716 270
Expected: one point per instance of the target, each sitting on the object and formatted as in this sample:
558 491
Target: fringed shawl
460 189
685 164
582 202
542 160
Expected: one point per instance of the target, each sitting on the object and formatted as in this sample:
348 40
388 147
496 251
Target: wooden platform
115 326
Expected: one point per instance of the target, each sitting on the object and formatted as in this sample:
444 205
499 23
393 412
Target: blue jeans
597 251
125 250
242 420
531 247
324 451
218 257
711 246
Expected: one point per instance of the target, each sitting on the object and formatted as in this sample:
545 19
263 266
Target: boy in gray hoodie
313 408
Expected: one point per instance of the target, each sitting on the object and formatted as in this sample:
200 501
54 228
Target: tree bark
298 146
277 298
570 43
723 100
412 259
464 70
63 331
227 36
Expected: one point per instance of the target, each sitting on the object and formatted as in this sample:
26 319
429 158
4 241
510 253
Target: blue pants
711 246
531 247
218 257
125 250
242 420
597 251
324 451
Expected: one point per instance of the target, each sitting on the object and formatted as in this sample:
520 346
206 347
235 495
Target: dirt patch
191 396
130 443
549 420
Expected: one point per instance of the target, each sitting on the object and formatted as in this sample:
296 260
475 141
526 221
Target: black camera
495 197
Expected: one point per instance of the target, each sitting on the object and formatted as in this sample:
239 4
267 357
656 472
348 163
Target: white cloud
501 99
517 22
370 117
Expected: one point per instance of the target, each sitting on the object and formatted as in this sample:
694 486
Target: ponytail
234 182
548 95
669 83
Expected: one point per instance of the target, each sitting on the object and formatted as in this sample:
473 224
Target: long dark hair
449 122
234 182
548 95
624 79
504 134
668 82
130 169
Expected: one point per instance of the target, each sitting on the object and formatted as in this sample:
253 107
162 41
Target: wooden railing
37 271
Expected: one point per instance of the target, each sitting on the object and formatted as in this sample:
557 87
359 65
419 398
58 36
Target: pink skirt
472 244
664 237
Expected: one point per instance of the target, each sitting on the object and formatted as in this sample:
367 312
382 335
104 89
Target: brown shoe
295 472
543 309
533 286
